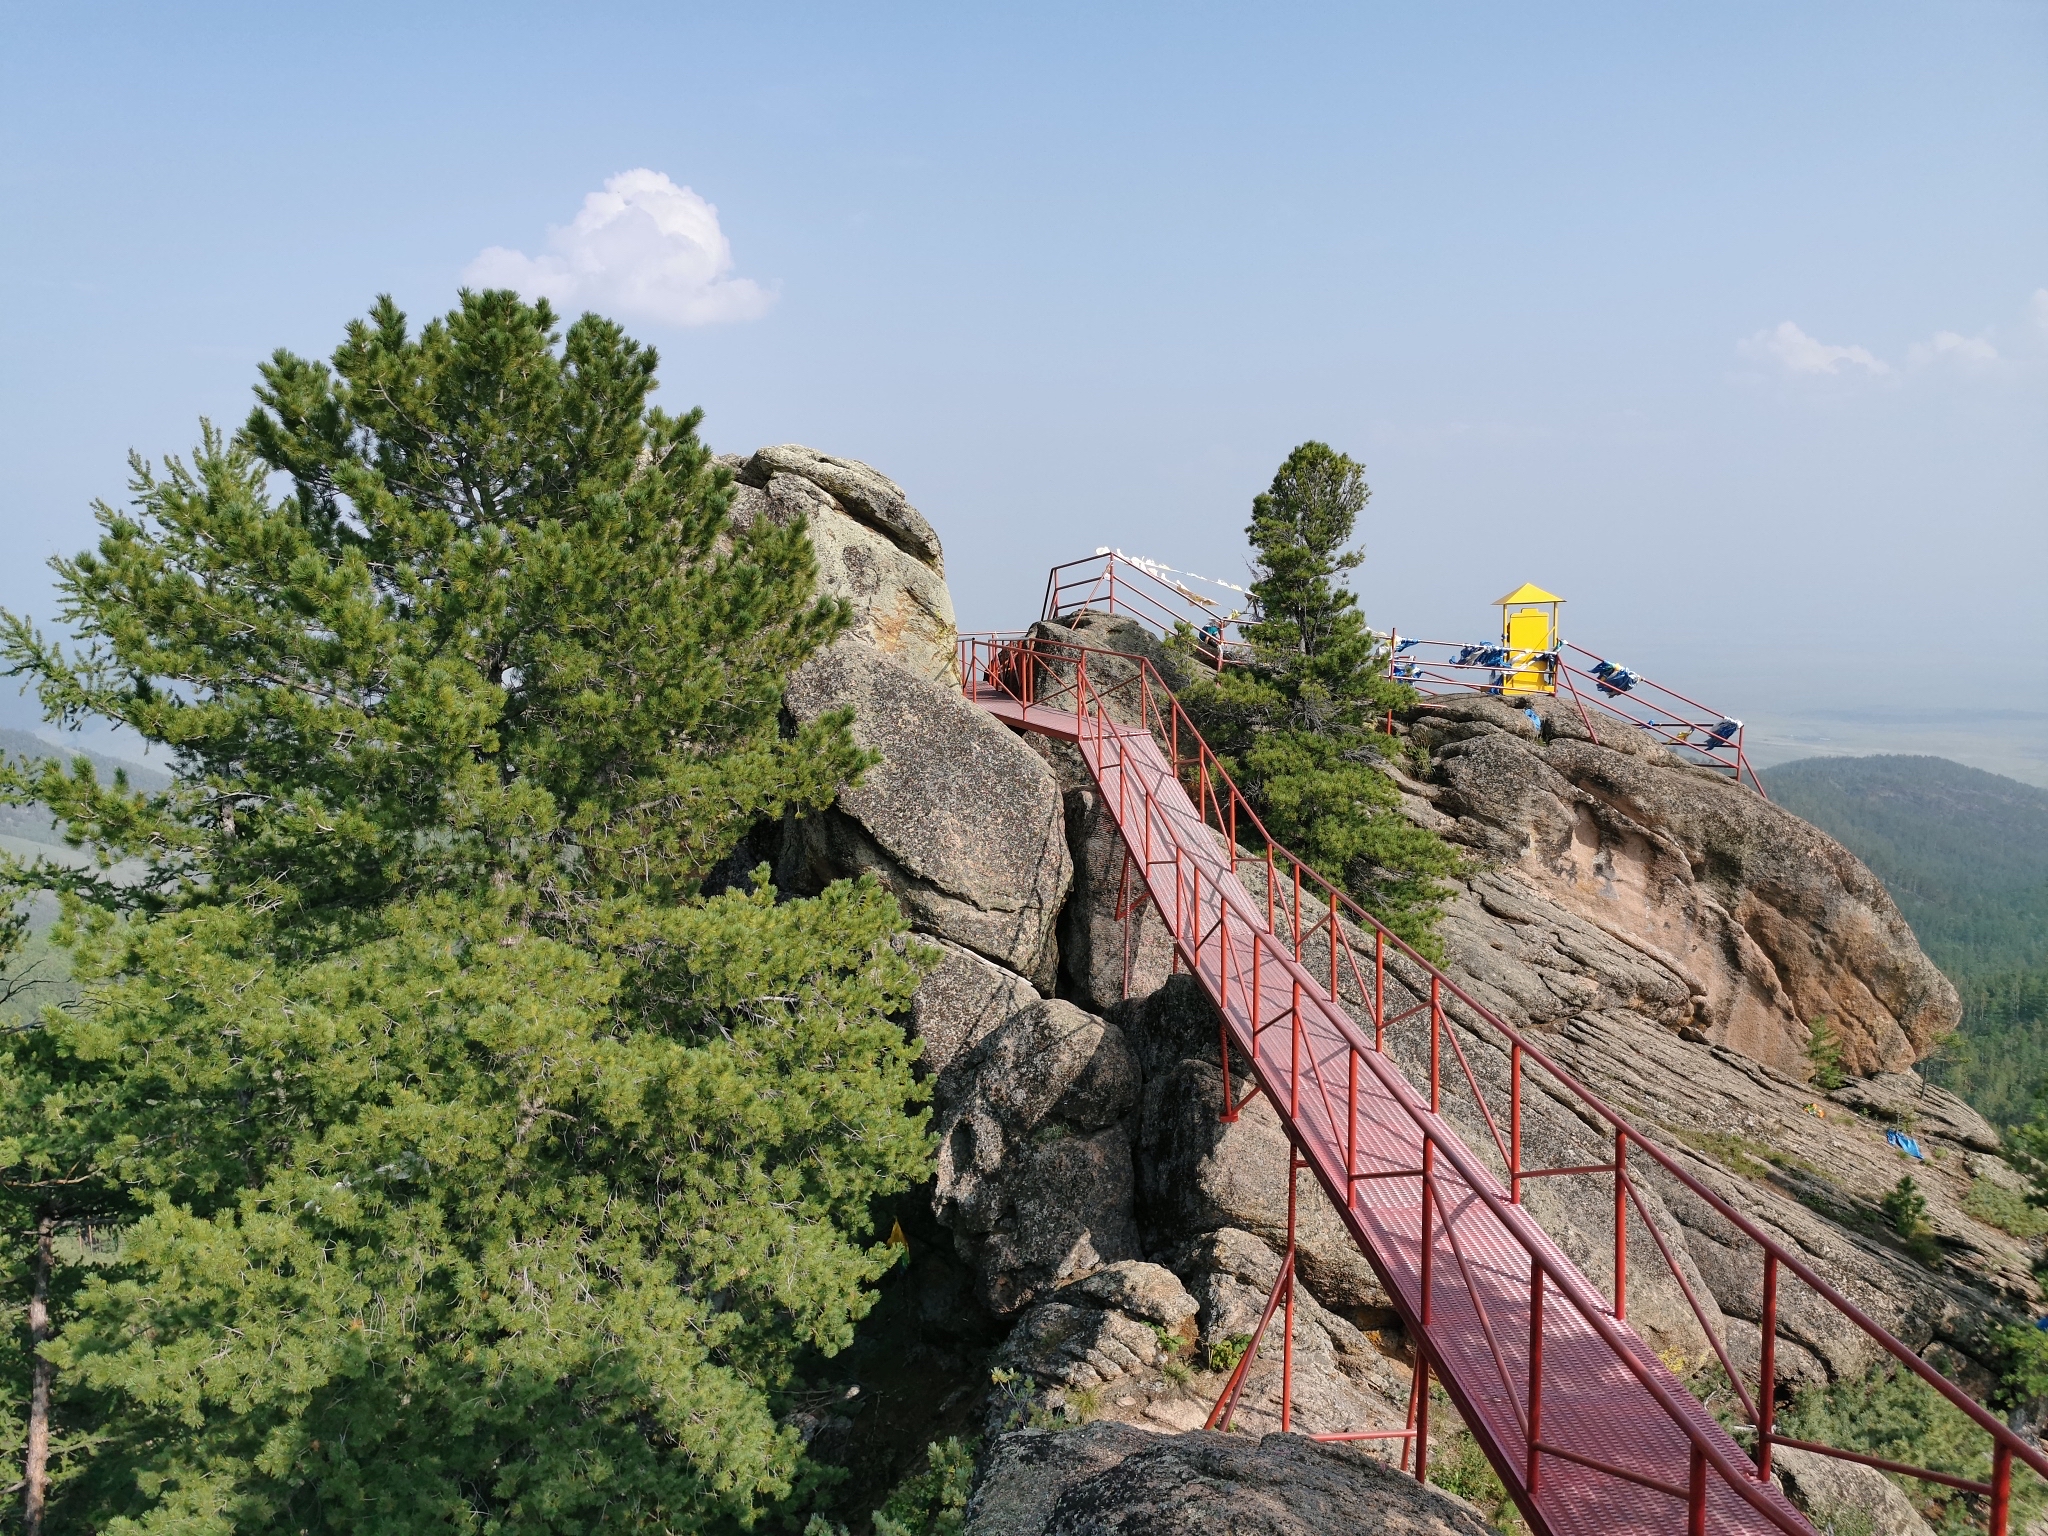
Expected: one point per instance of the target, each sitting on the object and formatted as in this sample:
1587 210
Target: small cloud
2037 309
643 246
1796 352
1950 347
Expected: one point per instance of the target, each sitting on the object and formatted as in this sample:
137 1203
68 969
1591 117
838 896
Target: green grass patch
1895 1415
1458 1466
2005 1209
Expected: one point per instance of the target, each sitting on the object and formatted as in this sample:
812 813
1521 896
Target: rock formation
1107 1478
874 549
1669 936
1767 924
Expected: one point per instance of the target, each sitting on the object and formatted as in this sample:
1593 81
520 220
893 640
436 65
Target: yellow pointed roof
1527 592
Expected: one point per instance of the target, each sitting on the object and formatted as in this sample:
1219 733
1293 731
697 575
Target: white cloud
642 247
1796 352
2037 309
1950 347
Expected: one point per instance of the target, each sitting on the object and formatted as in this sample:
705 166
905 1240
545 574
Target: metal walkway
1588 1430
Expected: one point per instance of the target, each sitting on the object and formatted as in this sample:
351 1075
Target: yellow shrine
1528 633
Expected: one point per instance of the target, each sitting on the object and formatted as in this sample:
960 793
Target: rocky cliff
1100 1239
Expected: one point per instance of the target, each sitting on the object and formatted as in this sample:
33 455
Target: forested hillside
1965 855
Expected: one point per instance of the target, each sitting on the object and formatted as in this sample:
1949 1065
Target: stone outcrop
1034 1168
1767 923
959 819
962 1000
1106 1478
1842 1496
873 548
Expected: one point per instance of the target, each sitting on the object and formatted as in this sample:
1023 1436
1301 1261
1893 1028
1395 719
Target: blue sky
1728 322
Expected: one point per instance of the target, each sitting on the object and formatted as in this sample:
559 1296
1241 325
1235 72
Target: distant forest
1965 855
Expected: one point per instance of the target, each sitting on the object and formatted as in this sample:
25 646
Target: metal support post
1436 1030
1379 990
1535 1373
1767 1372
1515 1123
1422 1411
1287 1338
1620 1226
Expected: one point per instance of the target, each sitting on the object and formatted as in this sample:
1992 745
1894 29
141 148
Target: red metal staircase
1587 1429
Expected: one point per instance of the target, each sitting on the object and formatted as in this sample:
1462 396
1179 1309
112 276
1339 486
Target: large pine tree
428 1150
1297 727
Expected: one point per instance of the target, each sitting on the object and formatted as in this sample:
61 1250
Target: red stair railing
1174 805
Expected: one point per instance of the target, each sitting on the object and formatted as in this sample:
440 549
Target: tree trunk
36 1474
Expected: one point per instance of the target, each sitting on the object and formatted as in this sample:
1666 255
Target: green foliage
1997 1206
1905 1208
1735 1152
1894 1415
1824 1051
1963 853
1457 1465
2022 1354
1172 1342
1296 729
1224 1352
934 1501
473 1165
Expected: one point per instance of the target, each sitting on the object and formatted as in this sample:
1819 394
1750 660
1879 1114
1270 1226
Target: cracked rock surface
1106 1478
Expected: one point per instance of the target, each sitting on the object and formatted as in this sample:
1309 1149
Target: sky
1729 322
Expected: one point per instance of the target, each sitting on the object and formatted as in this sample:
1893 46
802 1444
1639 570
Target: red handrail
1011 667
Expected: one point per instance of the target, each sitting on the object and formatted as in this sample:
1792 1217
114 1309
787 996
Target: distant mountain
1965 855
32 825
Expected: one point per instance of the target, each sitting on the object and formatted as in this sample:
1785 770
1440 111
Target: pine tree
1296 727
452 1158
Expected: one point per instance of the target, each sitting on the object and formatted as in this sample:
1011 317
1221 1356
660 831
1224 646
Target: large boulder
1034 1169
1105 1478
959 819
1769 923
872 548
1842 1496
960 1002
867 495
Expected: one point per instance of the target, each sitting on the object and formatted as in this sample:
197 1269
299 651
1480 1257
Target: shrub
1997 1206
932 1502
1224 1353
1895 1415
1824 1050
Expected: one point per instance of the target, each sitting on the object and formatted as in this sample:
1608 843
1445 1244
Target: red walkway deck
1469 1295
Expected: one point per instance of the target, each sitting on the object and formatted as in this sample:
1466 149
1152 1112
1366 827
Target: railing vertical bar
1223 994
1436 1033
1515 1124
1620 1226
1350 1116
1332 936
1294 1058
1535 1374
1767 1369
1287 1336
1379 991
